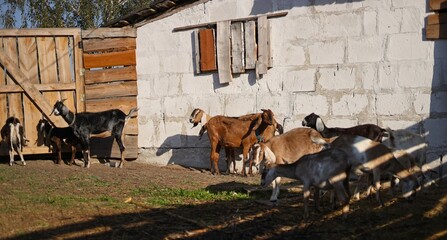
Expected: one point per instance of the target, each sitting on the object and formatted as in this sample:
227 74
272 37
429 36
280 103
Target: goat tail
391 137
131 112
202 131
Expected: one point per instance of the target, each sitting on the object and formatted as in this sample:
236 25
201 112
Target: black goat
370 131
54 137
86 124
12 134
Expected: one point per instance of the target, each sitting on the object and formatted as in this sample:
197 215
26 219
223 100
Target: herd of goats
81 127
319 156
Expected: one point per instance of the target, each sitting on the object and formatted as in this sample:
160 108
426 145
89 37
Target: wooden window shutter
207 50
436 24
237 47
251 47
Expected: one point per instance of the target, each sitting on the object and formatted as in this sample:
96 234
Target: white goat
367 156
328 169
404 140
12 134
286 149
410 150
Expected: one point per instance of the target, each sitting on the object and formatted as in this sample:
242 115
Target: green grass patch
57 200
175 196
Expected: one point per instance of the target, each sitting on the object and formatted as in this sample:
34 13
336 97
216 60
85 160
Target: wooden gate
40 66
111 82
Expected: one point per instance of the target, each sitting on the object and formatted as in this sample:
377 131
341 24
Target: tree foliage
64 13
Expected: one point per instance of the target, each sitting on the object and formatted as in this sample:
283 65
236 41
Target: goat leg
306 194
275 192
11 156
214 159
233 158
377 188
228 159
86 154
59 151
19 151
119 139
121 165
342 196
73 153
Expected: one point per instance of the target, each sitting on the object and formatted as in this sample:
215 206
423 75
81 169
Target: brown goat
238 132
54 137
199 116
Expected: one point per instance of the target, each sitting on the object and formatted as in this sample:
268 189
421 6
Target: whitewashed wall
351 62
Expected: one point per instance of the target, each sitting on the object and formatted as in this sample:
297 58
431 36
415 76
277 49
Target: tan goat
286 149
242 132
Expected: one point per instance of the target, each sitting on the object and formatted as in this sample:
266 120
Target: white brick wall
407 47
327 52
299 80
351 62
393 104
350 105
340 25
336 78
365 49
306 104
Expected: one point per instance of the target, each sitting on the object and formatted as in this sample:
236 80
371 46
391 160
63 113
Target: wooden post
223 52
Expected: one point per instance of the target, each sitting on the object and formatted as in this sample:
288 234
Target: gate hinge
80 45
82 72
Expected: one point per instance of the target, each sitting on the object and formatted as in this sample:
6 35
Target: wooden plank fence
95 70
38 67
111 82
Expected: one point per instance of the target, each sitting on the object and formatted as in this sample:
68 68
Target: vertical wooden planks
251 49
65 75
207 50
48 70
223 52
28 65
14 99
237 47
111 84
3 101
3 97
196 52
264 52
78 72
27 59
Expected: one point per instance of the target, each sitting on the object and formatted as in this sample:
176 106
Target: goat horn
63 100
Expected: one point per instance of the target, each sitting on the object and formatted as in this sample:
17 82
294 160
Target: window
233 47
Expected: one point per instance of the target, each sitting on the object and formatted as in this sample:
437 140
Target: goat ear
270 157
319 125
257 123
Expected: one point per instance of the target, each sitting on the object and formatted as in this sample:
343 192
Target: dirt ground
30 207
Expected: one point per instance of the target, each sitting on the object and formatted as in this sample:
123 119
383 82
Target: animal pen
94 70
